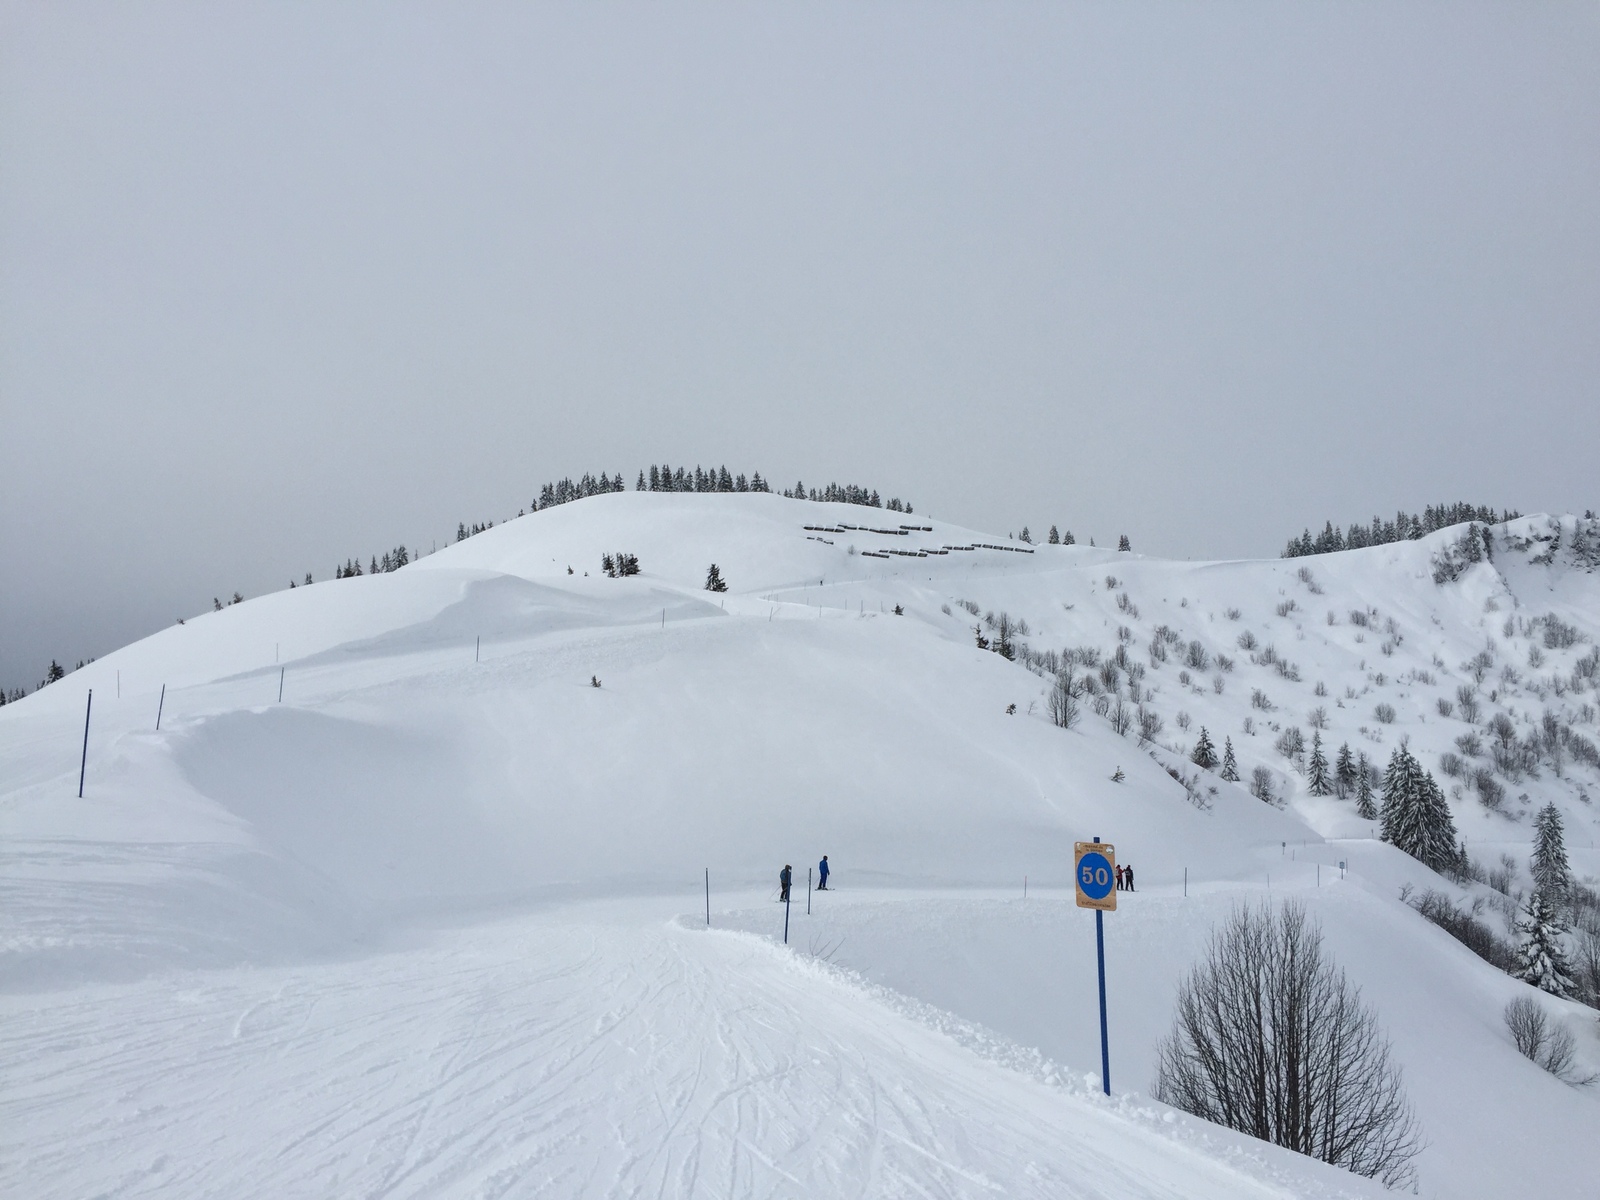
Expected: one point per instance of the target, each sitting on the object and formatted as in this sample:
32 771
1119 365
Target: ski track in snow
536 1058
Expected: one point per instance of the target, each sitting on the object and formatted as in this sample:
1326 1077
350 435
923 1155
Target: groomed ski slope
419 928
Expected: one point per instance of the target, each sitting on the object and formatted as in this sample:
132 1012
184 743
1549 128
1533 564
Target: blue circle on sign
1095 877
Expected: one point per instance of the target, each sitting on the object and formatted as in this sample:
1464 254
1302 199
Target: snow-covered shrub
1111 583
1232 614
1558 635
1262 785
1472 933
1196 658
1121 717
1217 684
1150 725
1317 718
1541 1041
1446 709
1287 607
1247 641
1452 765
1384 713
1535 658
1063 702
1184 720
970 605
1467 700
1224 662
1271 1039
1158 651
1258 699
1287 669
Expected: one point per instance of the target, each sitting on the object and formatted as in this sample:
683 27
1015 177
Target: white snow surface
433 924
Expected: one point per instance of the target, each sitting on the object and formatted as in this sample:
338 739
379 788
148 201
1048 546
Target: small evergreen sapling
714 580
1123 543
1230 765
1205 754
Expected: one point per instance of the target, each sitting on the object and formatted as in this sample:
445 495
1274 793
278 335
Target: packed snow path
606 1052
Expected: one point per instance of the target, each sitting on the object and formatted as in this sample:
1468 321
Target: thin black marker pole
786 917
160 705
280 685
477 648
808 891
1186 882
1100 960
708 897
83 764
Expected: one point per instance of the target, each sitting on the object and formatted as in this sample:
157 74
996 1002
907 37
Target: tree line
1403 527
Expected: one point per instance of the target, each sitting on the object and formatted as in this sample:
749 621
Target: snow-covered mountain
428 924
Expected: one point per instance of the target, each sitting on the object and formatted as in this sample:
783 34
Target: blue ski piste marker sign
1095 869
1094 872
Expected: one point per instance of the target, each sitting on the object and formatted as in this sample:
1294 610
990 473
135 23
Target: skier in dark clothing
822 874
783 884
1127 875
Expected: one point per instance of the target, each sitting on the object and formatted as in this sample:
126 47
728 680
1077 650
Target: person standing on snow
1127 875
822 874
783 884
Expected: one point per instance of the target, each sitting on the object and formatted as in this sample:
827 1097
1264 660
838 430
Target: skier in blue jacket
822 873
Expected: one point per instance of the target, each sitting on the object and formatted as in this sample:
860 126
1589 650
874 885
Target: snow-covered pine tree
1068 540
714 580
1344 772
1205 754
1055 536
1541 961
1551 873
1025 536
1317 769
1230 765
1366 809
1123 543
56 670
1416 816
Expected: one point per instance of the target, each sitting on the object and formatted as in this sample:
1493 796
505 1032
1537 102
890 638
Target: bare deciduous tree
1271 1039
1062 703
1539 1040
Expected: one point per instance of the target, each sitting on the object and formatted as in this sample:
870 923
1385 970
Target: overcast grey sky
284 284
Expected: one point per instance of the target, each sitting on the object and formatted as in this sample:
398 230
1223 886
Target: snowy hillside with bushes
407 894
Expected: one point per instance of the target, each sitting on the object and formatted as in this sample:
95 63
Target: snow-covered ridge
441 752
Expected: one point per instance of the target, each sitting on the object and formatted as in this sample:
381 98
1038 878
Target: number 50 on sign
1094 871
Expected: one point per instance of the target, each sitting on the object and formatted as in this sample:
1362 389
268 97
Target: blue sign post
1095 874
